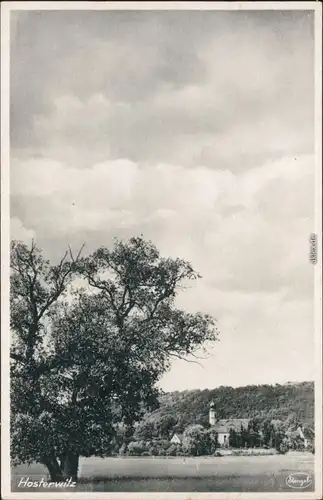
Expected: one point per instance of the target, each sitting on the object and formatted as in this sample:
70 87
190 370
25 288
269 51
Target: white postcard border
6 8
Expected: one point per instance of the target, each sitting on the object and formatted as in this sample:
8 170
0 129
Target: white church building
223 426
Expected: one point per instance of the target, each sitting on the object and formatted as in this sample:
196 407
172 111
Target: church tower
212 419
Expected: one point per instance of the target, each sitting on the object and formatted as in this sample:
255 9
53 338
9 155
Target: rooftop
224 425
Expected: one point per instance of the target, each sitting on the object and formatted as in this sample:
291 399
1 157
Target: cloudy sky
195 129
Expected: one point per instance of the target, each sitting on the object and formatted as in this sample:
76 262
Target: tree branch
178 356
18 357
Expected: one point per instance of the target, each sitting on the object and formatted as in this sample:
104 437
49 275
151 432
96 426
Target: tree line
261 432
263 401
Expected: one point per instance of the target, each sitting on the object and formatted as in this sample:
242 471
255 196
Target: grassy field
205 474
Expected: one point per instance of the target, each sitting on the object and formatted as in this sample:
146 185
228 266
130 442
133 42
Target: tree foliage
86 361
196 440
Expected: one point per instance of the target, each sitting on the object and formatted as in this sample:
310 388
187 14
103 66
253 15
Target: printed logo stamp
299 480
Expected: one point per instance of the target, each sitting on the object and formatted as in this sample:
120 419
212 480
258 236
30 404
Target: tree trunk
70 465
54 469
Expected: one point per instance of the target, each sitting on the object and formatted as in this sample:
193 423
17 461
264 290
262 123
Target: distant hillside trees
263 402
270 425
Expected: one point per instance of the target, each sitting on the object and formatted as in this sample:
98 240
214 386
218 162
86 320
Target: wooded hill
265 401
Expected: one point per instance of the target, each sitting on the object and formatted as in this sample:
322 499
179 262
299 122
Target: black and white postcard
161 250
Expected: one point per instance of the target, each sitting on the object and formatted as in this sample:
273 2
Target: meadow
204 474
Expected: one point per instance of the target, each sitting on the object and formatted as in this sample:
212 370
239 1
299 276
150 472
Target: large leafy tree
86 362
196 440
35 288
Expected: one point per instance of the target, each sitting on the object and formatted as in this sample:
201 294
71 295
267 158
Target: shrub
311 448
136 448
123 449
163 443
172 450
153 450
196 440
254 451
283 448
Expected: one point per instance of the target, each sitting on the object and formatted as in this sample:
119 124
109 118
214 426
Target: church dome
212 404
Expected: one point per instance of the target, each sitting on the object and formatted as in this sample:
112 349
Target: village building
223 426
306 435
177 439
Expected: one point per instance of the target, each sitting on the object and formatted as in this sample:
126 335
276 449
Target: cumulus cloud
19 232
243 231
194 130
223 89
